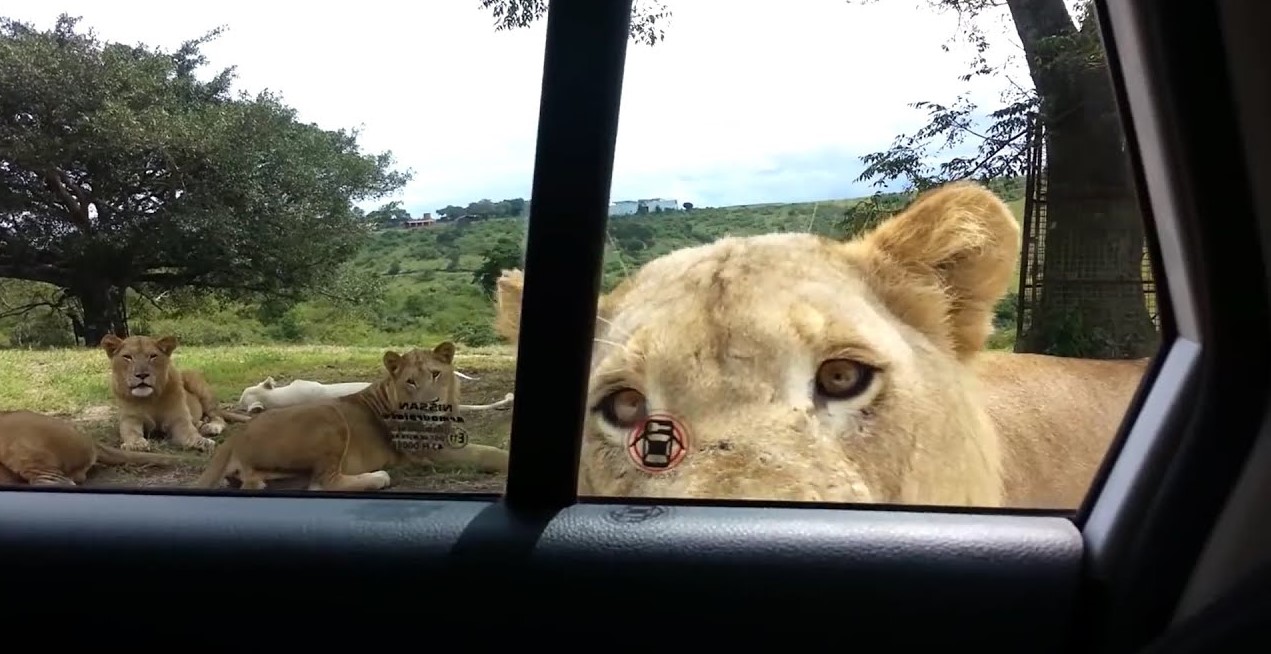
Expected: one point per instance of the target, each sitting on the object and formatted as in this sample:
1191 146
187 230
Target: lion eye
623 409
410 382
153 357
436 374
127 357
842 379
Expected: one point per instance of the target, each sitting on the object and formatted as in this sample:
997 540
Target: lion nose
142 375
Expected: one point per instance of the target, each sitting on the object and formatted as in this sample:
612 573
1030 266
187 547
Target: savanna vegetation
434 282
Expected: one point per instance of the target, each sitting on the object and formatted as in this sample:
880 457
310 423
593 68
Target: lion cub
344 443
42 450
152 395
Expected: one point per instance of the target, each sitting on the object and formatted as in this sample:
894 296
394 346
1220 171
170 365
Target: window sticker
421 426
658 444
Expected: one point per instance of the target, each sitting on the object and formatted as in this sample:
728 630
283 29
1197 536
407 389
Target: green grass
65 381
74 383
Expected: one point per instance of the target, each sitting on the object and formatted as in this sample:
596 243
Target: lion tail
113 456
233 416
215 470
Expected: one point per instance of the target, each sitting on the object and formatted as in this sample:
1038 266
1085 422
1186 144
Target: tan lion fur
152 395
343 443
42 450
729 337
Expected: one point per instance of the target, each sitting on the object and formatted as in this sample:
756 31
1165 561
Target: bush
1006 310
203 330
476 334
41 329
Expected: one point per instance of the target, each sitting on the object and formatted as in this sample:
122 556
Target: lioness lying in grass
42 450
345 444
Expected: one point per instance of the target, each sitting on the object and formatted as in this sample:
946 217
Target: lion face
140 365
422 376
800 368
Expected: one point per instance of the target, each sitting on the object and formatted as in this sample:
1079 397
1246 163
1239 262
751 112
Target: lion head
420 376
796 367
140 365
251 398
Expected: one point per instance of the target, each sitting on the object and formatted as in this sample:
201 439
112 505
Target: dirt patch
100 413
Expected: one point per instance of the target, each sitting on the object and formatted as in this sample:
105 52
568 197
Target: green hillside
434 280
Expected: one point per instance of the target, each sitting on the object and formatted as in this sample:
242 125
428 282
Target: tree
648 17
688 206
388 215
450 212
1094 231
504 254
119 169
1092 301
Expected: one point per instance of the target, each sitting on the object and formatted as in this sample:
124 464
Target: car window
241 213
866 252
857 252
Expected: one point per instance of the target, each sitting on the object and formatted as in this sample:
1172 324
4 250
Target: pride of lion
340 441
798 367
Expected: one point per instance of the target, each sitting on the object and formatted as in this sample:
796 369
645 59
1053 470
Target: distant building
650 205
425 220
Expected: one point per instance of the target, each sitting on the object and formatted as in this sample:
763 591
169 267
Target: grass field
73 383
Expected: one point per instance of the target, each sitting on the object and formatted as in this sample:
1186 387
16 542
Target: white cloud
746 101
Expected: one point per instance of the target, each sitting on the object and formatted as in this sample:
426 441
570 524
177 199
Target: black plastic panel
975 580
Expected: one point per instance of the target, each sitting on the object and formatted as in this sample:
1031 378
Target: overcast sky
745 101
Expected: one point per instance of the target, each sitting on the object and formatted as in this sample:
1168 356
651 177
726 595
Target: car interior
1167 554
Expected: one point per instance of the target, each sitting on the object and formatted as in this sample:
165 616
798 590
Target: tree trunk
102 312
1091 300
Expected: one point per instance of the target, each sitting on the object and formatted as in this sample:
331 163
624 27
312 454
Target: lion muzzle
139 385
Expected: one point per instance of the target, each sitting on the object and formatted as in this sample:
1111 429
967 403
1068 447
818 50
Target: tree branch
75 203
986 158
36 273
57 303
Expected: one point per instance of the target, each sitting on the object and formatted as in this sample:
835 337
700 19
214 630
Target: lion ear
445 352
392 362
943 263
111 344
167 344
268 383
507 295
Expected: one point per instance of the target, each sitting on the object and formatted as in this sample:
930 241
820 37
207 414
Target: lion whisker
621 346
614 328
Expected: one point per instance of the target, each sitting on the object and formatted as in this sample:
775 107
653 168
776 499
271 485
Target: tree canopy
121 169
648 17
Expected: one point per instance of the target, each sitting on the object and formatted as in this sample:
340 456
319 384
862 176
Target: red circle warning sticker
657 444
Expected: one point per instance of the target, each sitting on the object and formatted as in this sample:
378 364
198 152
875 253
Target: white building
651 205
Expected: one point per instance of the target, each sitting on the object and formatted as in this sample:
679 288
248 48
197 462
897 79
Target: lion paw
381 479
211 428
135 446
203 444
